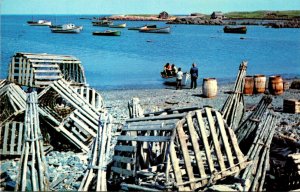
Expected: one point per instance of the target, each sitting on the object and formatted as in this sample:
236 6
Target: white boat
123 25
171 80
155 30
66 28
39 23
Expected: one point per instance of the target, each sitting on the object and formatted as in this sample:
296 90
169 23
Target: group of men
171 70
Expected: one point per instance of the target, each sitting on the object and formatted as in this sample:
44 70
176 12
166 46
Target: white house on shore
217 15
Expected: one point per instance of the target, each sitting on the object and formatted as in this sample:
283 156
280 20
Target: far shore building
163 15
217 15
197 15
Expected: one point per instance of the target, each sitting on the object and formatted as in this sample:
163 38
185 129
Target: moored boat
39 23
123 25
142 27
171 80
107 33
66 28
156 30
241 30
102 23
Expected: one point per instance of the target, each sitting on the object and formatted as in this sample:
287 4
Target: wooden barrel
259 83
249 85
209 87
275 85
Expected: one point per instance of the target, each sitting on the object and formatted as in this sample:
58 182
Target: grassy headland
264 14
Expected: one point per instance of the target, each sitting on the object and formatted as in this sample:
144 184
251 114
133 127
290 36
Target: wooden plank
45 66
123 171
28 71
78 134
175 165
196 147
144 138
125 148
54 61
86 121
5 138
185 152
48 77
123 159
215 139
93 102
205 141
163 117
47 71
225 139
24 72
83 125
20 71
20 138
12 138
150 128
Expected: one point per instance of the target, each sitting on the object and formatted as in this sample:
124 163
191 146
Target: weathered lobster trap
40 70
184 151
64 109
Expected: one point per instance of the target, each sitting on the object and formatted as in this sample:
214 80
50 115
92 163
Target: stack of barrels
257 84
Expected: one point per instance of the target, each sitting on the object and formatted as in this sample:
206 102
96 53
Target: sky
141 6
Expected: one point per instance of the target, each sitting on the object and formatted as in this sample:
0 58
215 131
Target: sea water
135 60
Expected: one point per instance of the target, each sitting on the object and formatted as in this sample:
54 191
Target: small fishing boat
156 30
39 23
107 33
102 23
241 30
123 25
142 27
66 28
171 80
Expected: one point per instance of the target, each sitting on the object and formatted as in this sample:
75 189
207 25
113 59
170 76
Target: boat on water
66 28
107 33
39 23
156 30
171 80
142 27
123 25
241 30
102 23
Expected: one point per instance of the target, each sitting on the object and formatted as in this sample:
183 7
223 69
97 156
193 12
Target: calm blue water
129 61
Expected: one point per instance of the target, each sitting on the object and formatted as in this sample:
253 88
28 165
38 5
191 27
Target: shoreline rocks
139 18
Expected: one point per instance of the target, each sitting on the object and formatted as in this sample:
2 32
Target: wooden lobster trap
184 151
40 70
12 138
69 113
12 101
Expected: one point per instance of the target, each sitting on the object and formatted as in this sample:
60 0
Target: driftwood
234 108
40 70
12 102
174 152
95 176
247 130
32 159
64 109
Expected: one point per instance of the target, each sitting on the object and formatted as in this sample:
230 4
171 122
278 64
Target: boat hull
113 33
143 27
240 30
39 23
77 30
156 30
118 26
172 80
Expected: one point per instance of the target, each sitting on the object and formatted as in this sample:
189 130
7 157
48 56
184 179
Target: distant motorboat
241 30
142 27
123 25
39 23
102 23
171 80
66 28
156 30
107 33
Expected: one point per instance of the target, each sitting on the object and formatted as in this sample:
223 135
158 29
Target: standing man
194 76
179 76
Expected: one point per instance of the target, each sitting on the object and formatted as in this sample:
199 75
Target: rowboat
142 27
118 26
102 23
66 28
156 30
241 30
107 33
171 80
39 23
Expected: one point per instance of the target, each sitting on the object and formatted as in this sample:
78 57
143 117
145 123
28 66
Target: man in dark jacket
194 76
